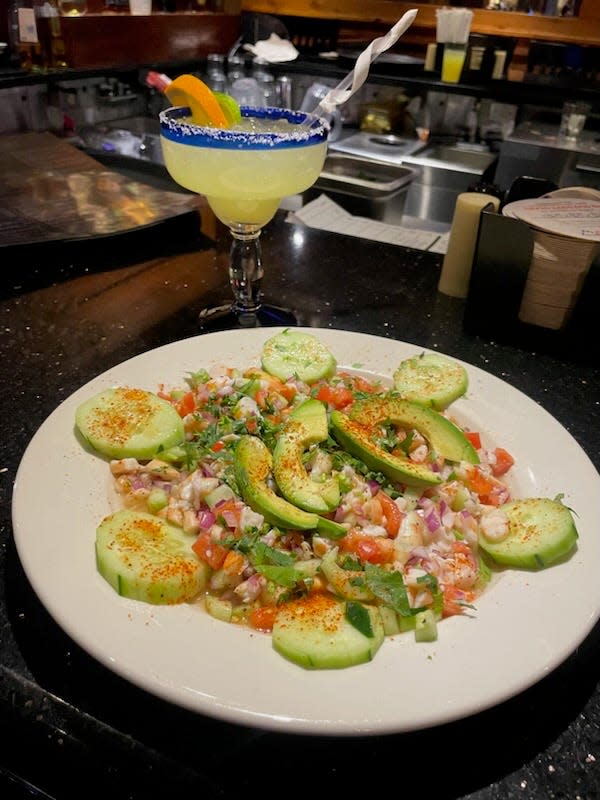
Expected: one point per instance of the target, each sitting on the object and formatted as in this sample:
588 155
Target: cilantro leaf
283 576
389 588
358 616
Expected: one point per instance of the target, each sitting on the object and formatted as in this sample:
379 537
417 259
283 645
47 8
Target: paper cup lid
577 218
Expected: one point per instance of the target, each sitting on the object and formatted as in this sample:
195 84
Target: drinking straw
358 75
453 25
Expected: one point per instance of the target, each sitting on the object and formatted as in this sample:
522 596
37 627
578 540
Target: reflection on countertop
50 190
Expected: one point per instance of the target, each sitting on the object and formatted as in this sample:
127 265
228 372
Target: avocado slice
305 426
354 437
444 437
252 465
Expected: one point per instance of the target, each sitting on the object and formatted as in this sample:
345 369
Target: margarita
245 171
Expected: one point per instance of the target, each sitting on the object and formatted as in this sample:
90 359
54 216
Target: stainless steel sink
457 158
386 147
444 171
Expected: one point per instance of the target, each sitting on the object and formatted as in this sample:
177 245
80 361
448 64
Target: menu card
51 190
325 214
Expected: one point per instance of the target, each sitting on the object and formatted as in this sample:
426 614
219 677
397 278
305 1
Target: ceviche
313 503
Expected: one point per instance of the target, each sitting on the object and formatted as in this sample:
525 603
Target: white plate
525 625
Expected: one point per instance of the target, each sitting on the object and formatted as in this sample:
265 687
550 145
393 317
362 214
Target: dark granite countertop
71 728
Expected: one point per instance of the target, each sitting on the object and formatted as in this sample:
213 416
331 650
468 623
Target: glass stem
245 274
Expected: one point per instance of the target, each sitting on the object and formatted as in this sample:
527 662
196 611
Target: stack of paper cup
566 239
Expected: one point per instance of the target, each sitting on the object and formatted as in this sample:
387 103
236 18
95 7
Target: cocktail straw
355 79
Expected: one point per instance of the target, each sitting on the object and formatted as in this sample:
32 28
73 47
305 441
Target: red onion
206 518
339 514
432 520
373 487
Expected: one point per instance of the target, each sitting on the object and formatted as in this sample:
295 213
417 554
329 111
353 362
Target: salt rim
311 130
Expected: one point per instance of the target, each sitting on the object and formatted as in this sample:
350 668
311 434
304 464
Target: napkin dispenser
493 308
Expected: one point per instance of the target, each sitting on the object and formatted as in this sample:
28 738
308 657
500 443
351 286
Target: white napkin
274 49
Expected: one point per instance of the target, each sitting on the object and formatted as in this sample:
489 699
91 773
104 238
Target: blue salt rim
172 127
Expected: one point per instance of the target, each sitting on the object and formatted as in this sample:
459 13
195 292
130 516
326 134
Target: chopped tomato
479 483
263 618
251 425
503 463
391 512
362 384
287 391
474 438
217 446
234 563
336 396
227 510
261 398
487 487
374 549
212 552
186 405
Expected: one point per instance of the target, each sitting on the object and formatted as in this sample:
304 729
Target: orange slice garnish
187 90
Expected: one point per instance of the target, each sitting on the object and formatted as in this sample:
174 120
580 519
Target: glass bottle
236 68
73 8
215 72
50 33
266 81
23 33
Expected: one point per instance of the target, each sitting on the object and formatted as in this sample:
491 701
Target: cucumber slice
292 353
431 379
145 558
129 423
314 633
541 531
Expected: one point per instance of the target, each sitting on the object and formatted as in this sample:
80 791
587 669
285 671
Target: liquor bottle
24 41
50 35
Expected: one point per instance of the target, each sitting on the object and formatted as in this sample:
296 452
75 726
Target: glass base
218 318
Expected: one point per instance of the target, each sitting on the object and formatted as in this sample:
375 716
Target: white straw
341 93
453 25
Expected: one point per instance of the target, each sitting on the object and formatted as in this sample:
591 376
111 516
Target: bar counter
70 727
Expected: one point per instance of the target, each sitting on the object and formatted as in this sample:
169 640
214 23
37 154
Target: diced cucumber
389 618
157 499
129 423
292 353
540 532
425 626
145 558
314 633
431 379
308 568
218 495
217 608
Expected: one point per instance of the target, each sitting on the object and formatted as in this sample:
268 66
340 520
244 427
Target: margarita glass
244 172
